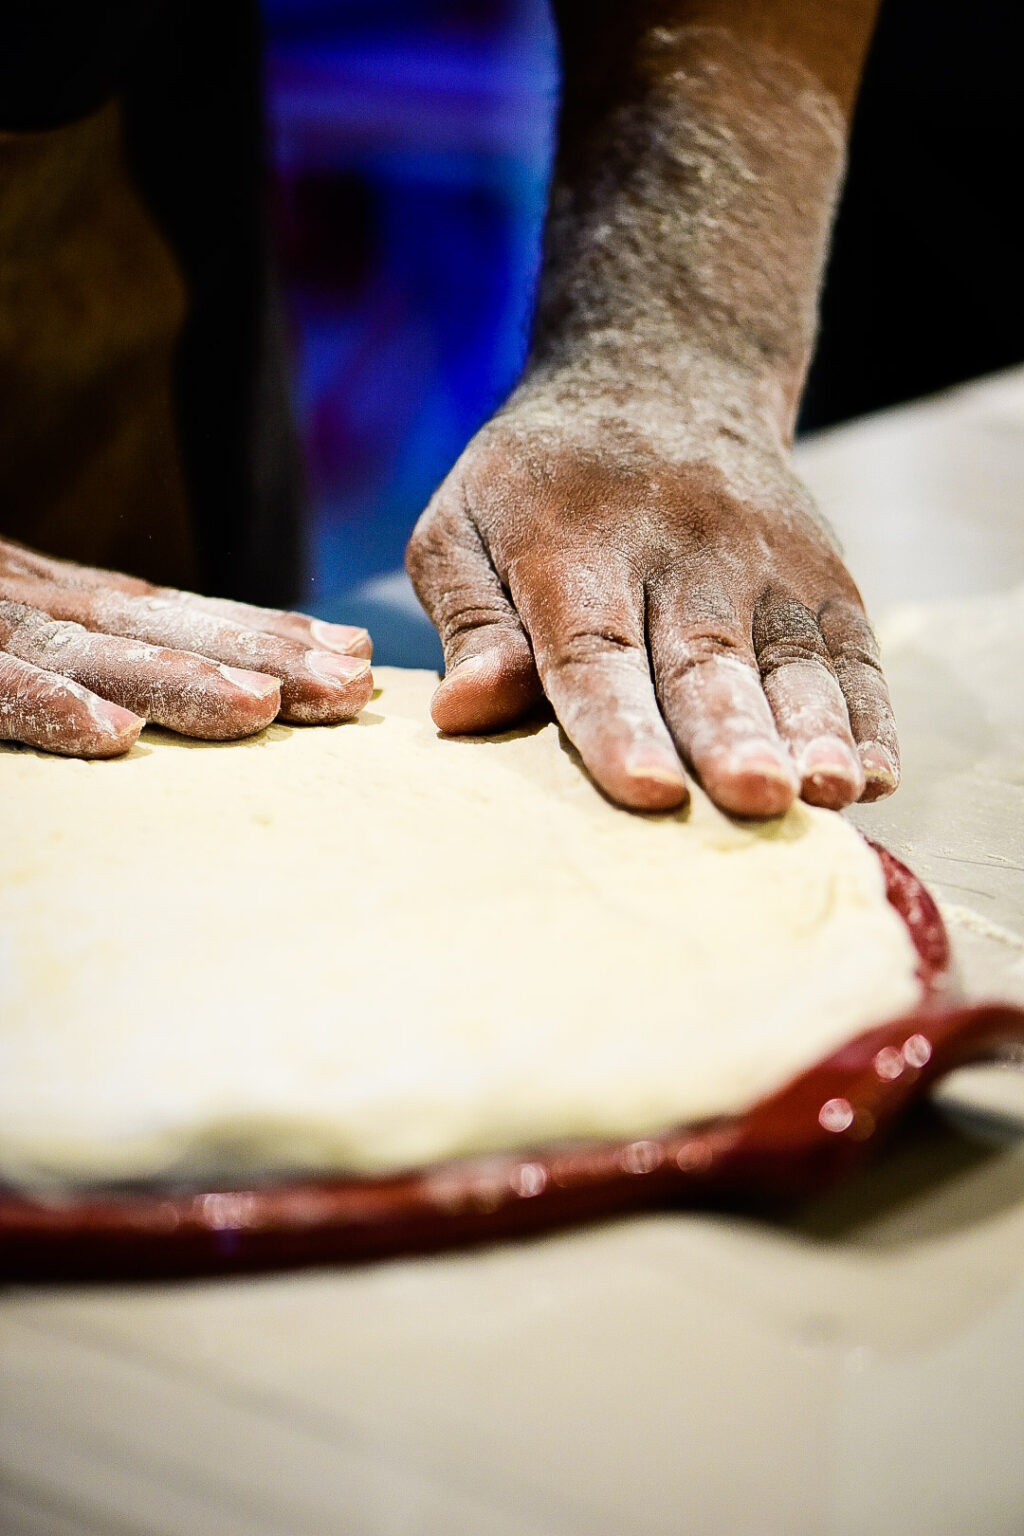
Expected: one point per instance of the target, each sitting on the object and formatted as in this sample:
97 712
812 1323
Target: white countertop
857 1370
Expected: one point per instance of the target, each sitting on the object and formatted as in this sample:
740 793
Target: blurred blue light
412 145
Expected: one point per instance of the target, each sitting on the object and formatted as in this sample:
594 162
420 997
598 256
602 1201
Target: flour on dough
367 948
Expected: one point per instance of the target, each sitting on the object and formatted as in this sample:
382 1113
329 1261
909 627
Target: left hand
87 656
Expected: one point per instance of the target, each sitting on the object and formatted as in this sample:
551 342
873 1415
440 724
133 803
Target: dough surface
367 948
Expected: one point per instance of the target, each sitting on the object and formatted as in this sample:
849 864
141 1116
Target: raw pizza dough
367 948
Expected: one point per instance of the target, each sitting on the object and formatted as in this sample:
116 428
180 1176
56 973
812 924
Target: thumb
490 680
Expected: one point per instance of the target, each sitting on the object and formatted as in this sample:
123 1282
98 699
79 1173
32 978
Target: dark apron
144 422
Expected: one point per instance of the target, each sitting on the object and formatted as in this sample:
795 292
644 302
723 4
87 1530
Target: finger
586 625
490 679
346 639
317 687
17 560
713 701
316 634
854 652
177 689
43 710
807 702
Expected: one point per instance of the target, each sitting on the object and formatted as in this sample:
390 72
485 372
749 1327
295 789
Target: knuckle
849 635
11 678
440 540
786 634
857 651
15 615
698 648
53 638
590 645
458 614
32 635
10 620
792 650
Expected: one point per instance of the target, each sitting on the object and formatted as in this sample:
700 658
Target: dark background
924 285
411 142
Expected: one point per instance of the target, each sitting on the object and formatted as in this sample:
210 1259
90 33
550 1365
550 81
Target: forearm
628 532
600 39
701 150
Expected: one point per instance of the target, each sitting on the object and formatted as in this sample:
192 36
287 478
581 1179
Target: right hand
88 656
668 616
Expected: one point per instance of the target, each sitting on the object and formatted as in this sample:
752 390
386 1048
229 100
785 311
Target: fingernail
826 758
338 637
259 684
751 782
112 718
761 763
880 770
336 669
468 667
659 769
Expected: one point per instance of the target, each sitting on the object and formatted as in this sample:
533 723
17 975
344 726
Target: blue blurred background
411 140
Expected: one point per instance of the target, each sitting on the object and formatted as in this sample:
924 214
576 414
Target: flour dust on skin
653 554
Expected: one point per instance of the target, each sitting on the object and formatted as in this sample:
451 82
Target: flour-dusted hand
627 534
88 656
661 611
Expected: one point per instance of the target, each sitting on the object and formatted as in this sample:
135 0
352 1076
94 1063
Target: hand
88 656
628 533
668 609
